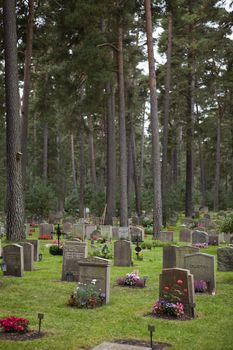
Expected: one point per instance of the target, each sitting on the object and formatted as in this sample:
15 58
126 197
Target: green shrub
227 224
146 245
55 250
149 230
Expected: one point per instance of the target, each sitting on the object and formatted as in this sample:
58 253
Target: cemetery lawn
124 317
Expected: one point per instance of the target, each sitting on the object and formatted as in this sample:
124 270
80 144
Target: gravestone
89 230
28 255
225 259
95 268
73 251
106 231
187 221
213 239
228 237
115 221
169 279
173 256
0 247
27 229
13 257
78 231
67 228
136 233
204 222
46 229
202 267
115 232
123 232
135 220
122 253
166 236
185 235
199 237
36 250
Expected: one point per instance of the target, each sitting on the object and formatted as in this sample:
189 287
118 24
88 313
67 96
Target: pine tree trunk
15 202
81 174
157 206
60 176
122 130
218 162
141 177
45 152
92 154
26 87
166 120
111 156
135 173
73 162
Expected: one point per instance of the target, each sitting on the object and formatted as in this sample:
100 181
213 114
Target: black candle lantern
59 233
151 329
40 318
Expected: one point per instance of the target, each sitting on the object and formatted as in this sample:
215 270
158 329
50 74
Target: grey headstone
173 256
28 255
73 252
166 236
106 231
202 267
199 237
89 230
46 229
123 232
94 268
67 228
225 259
115 232
36 245
122 253
13 257
78 231
136 233
185 234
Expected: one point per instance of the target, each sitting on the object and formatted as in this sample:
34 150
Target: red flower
166 289
180 282
185 290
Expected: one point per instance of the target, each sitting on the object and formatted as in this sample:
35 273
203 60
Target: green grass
124 317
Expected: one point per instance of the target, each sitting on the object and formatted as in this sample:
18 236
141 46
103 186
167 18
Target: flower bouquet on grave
14 324
200 286
87 296
170 304
132 280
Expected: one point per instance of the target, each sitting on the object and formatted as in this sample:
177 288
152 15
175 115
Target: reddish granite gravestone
181 279
13 257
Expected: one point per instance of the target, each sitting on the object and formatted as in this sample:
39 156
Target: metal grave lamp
59 233
151 329
40 316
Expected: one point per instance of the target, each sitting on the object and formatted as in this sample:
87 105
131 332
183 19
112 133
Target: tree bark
141 177
218 161
166 119
92 154
157 206
15 201
111 156
122 129
73 162
81 173
26 87
45 152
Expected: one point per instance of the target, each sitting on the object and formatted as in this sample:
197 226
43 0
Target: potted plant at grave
132 280
170 305
87 296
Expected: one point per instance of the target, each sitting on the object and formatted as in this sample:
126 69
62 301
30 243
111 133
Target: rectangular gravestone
78 231
73 251
204 222
186 296
185 234
225 259
123 232
228 238
94 268
27 229
67 228
89 230
173 256
187 221
36 245
136 233
166 236
115 233
106 231
13 257
213 239
28 255
46 229
202 267
199 237
122 253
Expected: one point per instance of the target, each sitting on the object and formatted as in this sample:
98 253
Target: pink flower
166 289
180 282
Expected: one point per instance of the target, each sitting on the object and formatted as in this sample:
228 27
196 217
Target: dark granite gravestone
73 251
13 257
225 259
122 253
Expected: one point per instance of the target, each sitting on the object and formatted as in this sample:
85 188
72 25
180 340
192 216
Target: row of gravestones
197 236
18 258
83 231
